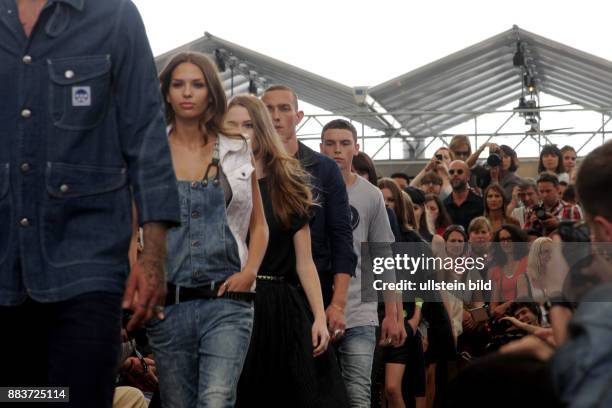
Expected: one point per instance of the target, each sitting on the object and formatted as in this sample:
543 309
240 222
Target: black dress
280 370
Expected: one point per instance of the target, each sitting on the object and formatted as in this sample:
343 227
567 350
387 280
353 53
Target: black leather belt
186 294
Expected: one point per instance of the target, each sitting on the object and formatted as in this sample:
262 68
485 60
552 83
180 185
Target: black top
279 259
471 208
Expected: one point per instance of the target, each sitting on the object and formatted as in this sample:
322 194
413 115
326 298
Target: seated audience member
528 197
569 162
533 283
480 234
569 195
399 202
437 217
551 161
509 255
420 218
458 301
402 179
462 204
364 166
461 147
500 167
431 183
495 207
439 164
546 217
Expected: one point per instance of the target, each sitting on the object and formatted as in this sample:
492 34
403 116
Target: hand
494 172
431 165
320 337
499 311
403 334
442 170
389 332
468 321
425 342
551 222
515 322
515 196
414 325
146 290
239 282
335 321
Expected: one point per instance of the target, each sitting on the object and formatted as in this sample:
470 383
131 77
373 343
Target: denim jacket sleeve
338 216
141 127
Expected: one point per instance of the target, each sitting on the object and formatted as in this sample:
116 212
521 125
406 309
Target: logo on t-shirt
354 218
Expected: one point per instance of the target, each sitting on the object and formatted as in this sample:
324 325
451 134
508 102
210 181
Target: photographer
547 215
439 164
500 167
527 198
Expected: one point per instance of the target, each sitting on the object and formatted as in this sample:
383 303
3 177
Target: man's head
459 175
339 142
402 179
282 103
594 192
431 183
548 189
526 311
461 147
528 192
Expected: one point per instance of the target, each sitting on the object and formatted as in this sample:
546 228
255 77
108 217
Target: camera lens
494 160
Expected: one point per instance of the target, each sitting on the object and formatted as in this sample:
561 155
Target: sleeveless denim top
203 249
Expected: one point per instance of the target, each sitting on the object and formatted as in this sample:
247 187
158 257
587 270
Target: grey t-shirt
370 224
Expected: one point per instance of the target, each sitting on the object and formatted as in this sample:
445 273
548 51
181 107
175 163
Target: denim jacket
82 132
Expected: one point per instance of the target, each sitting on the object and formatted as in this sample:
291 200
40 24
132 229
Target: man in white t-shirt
370 223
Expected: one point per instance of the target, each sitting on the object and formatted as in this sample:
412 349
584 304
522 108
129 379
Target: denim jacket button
195 214
27 59
25 167
69 74
194 184
26 113
24 222
64 188
195 243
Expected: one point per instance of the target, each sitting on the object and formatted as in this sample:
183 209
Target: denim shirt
82 131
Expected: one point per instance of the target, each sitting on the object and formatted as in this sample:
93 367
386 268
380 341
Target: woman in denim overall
201 344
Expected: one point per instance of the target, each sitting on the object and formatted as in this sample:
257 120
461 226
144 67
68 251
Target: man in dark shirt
330 226
462 205
83 135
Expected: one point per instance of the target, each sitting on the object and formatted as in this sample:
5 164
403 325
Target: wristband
419 302
337 307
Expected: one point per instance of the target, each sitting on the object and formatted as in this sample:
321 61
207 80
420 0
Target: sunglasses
453 171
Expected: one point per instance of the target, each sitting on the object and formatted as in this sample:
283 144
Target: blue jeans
199 351
356 353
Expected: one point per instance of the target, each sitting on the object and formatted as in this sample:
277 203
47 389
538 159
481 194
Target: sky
368 42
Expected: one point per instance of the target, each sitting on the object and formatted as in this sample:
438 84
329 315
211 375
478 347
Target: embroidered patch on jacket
81 96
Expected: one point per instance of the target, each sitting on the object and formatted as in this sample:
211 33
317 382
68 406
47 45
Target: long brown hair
403 203
287 181
212 118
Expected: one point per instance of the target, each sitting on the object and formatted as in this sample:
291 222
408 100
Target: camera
439 157
540 212
494 160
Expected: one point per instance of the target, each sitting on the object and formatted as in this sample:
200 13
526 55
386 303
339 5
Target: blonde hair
534 263
287 182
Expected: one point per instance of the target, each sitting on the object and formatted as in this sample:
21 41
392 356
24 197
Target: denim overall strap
203 249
